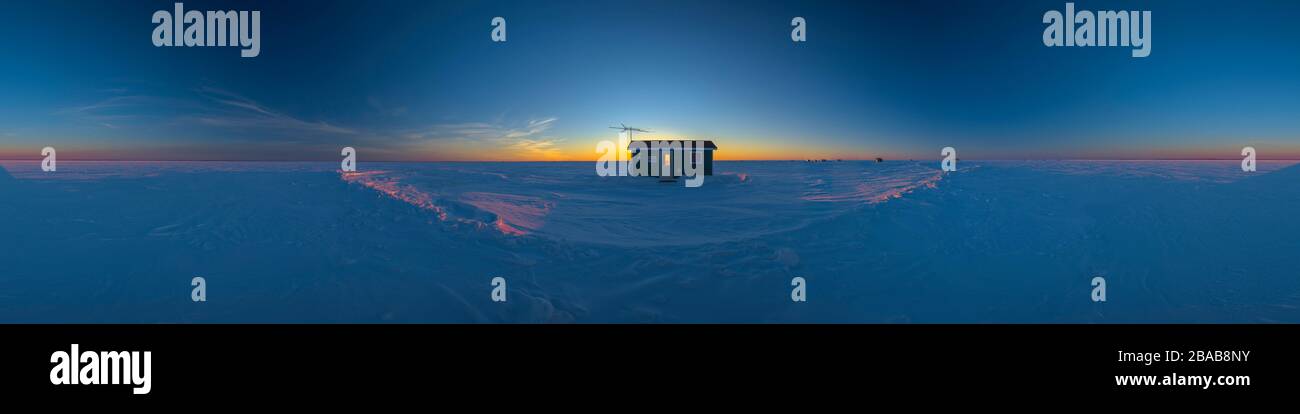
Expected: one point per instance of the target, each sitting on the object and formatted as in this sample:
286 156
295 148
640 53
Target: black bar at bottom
201 362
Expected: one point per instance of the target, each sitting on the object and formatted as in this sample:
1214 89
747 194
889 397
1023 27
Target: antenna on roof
623 127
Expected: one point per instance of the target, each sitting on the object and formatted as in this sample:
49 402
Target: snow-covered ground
1177 241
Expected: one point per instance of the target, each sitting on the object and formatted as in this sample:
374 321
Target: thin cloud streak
234 118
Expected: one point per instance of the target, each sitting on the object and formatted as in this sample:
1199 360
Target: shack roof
707 144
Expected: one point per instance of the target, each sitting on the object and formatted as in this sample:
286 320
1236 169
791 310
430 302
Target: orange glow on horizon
729 149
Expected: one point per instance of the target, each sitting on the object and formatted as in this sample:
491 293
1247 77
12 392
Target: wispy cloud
482 131
122 107
241 112
212 116
528 140
205 107
391 111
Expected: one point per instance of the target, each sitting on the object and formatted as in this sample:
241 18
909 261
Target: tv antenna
623 127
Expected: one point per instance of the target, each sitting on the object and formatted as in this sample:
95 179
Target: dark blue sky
422 80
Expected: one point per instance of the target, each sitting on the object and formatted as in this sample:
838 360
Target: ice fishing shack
662 157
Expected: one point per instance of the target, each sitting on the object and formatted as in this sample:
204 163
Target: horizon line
741 160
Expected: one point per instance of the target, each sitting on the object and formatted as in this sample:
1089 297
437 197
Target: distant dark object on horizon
878 159
816 160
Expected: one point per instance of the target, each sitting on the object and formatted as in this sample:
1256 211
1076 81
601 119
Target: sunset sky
421 80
